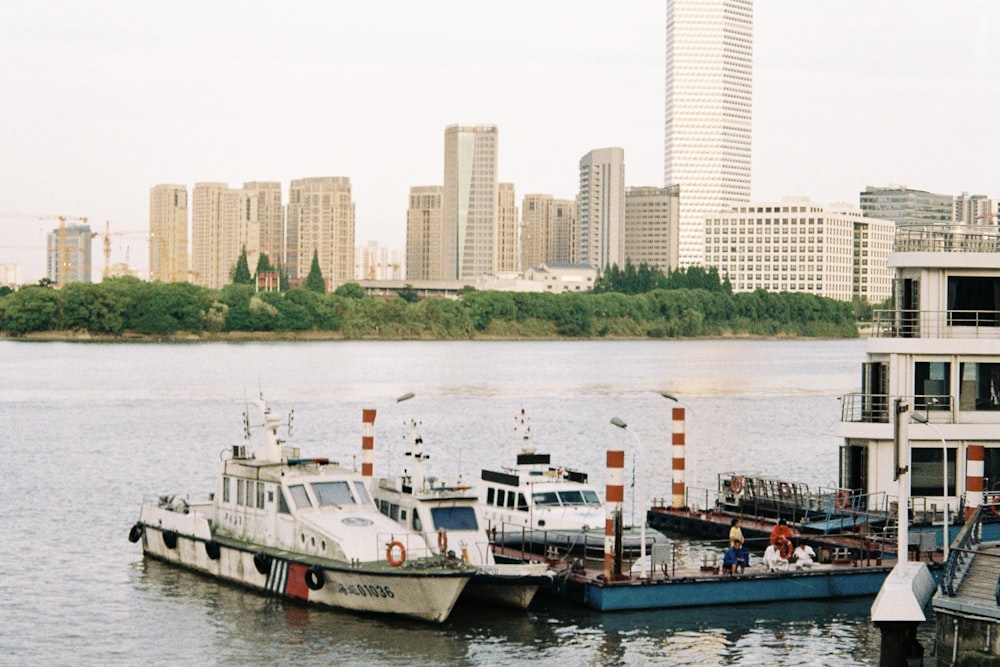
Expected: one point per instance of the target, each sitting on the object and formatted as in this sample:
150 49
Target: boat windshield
299 496
579 497
333 493
454 518
362 493
545 499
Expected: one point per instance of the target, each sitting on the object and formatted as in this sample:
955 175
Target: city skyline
846 95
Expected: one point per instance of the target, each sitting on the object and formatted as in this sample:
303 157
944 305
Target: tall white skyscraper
708 113
469 202
602 207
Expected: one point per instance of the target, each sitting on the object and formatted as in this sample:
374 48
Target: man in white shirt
773 560
803 555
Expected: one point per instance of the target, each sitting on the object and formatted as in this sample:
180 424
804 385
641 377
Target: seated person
781 531
736 558
803 555
773 559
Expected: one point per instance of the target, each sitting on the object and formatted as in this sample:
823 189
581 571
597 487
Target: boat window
282 505
571 498
590 497
932 387
522 503
980 386
299 496
501 495
225 489
545 499
260 495
241 497
363 496
332 493
418 525
490 497
510 500
973 301
926 474
454 518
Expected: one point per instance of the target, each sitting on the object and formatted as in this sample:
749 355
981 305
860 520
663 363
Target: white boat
302 528
448 515
931 377
543 508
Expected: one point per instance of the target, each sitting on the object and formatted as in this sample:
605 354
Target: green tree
408 294
314 281
263 264
241 272
350 291
31 308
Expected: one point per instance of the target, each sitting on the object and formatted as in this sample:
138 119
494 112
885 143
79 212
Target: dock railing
963 550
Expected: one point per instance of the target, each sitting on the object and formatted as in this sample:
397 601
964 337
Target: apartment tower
469 203
707 119
508 256
651 216
548 231
424 233
602 208
320 217
168 234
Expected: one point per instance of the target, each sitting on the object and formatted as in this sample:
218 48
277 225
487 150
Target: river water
89 428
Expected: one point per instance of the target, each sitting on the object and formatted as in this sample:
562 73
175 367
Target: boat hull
509 584
724 590
424 594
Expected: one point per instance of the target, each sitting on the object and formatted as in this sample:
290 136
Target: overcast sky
99 101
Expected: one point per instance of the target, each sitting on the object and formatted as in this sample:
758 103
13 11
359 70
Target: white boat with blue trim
301 528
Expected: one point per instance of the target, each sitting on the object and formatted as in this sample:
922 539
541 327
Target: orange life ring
442 540
992 502
785 490
390 553
736 484
784 548
843 499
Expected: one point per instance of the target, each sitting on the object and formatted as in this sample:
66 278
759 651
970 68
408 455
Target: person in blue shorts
736 558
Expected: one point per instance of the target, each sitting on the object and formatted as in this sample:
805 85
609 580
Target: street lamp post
640 491
944 461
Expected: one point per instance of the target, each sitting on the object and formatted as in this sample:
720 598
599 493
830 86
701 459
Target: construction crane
107 245
990 217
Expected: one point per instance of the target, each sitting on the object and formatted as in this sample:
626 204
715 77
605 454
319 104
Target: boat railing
963 550
865 408
915 323
946 237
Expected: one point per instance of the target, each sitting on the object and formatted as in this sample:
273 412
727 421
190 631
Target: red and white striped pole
615 497
679 482
367 443
974 469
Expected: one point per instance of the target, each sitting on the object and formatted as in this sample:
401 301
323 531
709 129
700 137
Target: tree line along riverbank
128 307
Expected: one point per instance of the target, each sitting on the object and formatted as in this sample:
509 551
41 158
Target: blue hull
723 590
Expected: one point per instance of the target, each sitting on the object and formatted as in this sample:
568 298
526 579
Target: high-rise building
651 217
320 217
469 202
708 112
508 259
375 262
424 233
602 207
168 234
798 246
907 207
976 210
269 217
69 254
206 229
548 231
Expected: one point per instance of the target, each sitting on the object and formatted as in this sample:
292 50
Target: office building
548 231
798 246
708 112
602 208
469 202
425 233
906 206
976 210
651 225
168 234
320 220
69 254
508 255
